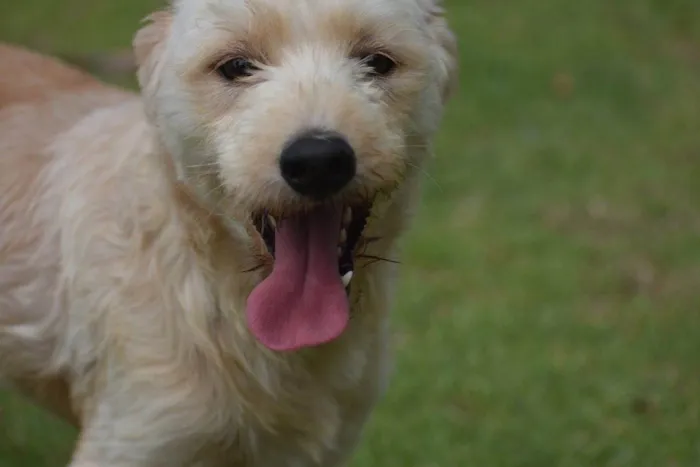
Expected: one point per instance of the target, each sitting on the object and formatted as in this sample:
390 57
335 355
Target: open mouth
304 300
351 228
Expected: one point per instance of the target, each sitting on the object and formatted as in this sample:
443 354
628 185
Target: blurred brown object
119 63
563 84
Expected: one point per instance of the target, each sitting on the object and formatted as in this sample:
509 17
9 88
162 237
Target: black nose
317 164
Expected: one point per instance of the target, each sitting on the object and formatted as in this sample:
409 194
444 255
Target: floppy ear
149 45
445 46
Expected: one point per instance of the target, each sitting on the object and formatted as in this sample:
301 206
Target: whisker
197 166
213 209
377 258
203 173
368 240
216 188
262 261
427 174
254 268
415 146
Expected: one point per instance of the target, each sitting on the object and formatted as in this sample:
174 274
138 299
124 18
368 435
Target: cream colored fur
124 237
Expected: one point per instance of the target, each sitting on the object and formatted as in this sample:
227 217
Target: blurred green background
549 312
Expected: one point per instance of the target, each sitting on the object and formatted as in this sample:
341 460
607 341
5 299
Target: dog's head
302 118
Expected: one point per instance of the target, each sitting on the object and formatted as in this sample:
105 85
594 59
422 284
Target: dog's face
298 117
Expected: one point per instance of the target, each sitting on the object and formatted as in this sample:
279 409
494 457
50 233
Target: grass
549 312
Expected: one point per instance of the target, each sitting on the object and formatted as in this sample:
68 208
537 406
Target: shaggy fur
126 250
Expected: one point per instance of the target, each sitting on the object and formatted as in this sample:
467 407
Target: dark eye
236 68
379 64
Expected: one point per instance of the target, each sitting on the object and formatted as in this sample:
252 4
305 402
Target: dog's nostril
318 165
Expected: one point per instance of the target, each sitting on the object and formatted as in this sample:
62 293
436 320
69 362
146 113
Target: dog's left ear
149 45
445 44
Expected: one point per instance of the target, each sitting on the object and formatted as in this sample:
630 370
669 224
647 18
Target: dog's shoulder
106 170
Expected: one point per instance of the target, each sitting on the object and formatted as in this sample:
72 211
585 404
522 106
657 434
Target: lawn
549 310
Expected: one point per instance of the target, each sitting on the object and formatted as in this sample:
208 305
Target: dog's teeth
272 222
343 236
340 252
346 278
347 216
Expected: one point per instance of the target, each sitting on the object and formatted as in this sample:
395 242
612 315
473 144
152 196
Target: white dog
201 276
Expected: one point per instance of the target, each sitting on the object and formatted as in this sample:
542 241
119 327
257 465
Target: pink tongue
303 302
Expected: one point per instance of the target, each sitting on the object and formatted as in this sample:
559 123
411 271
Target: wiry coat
125 267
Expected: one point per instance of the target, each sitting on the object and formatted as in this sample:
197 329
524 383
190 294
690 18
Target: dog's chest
314 420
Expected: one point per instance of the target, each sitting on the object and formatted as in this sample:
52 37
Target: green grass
549 311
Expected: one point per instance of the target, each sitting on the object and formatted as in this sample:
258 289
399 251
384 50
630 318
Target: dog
201 274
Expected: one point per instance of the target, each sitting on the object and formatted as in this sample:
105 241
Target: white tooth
272 222
346 278
340 252
347 216
343 236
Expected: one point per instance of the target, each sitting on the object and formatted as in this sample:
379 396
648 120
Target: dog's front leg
101 445
143 430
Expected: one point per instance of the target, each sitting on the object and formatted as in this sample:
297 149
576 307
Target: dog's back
40 98
34 77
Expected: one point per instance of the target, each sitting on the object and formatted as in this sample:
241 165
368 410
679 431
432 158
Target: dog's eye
236 68
379 64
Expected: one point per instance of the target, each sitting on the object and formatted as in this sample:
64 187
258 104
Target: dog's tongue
303 302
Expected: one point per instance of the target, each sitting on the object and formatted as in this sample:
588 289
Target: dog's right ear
445 44
149 45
